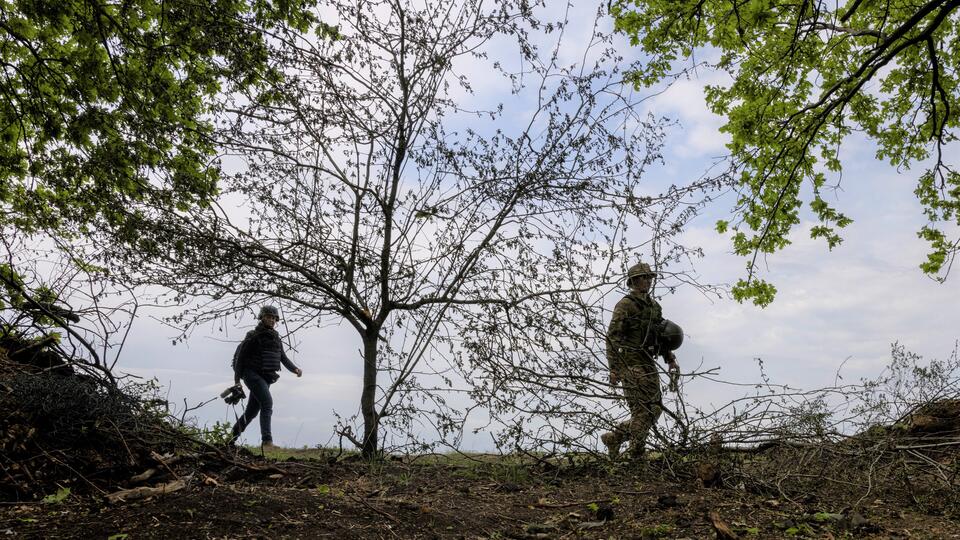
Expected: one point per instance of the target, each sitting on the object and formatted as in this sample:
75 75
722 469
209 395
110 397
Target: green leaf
57 498
797 92
758 291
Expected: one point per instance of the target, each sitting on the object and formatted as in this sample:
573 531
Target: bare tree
368 189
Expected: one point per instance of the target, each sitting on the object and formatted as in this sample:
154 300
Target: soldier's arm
655 322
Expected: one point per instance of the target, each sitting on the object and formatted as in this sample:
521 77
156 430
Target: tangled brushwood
915 462
62 429
895 438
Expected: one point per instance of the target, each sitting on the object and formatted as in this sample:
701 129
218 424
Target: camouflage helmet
640 269
268 310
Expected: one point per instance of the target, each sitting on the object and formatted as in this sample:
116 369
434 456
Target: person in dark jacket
257 362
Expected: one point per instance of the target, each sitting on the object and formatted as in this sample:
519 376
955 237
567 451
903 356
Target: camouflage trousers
641 389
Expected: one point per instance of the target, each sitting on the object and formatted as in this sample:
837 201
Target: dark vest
262 351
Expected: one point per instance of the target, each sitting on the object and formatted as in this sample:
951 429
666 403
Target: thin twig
375 509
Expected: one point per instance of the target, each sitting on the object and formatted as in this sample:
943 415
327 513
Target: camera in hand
233 395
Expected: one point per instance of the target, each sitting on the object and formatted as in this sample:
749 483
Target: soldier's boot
612 442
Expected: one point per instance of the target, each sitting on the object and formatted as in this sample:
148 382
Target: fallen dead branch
724 532
144 492
165 461
375 509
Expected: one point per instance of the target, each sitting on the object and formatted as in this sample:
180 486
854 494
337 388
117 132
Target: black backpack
236 353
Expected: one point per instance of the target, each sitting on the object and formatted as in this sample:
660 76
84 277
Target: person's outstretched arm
289 364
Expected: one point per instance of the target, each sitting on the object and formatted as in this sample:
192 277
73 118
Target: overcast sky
843 307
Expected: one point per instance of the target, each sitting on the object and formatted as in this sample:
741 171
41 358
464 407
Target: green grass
450 459
303 453
506 468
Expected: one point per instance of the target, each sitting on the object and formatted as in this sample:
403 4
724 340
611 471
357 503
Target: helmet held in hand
670 335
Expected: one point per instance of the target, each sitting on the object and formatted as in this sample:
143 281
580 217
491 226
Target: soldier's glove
674 371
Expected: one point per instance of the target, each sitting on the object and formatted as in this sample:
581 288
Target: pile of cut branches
61 429
914 461
895 437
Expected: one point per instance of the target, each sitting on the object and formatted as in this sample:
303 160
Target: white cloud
684 100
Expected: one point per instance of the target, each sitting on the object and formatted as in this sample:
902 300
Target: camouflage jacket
631 335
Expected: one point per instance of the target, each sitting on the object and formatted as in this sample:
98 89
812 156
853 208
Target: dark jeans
260 402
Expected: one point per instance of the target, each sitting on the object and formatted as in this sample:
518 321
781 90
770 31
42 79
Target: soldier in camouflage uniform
631 351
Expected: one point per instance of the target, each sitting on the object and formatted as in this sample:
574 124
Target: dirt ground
305 498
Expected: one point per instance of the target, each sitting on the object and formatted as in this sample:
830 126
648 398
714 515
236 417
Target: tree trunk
369 396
